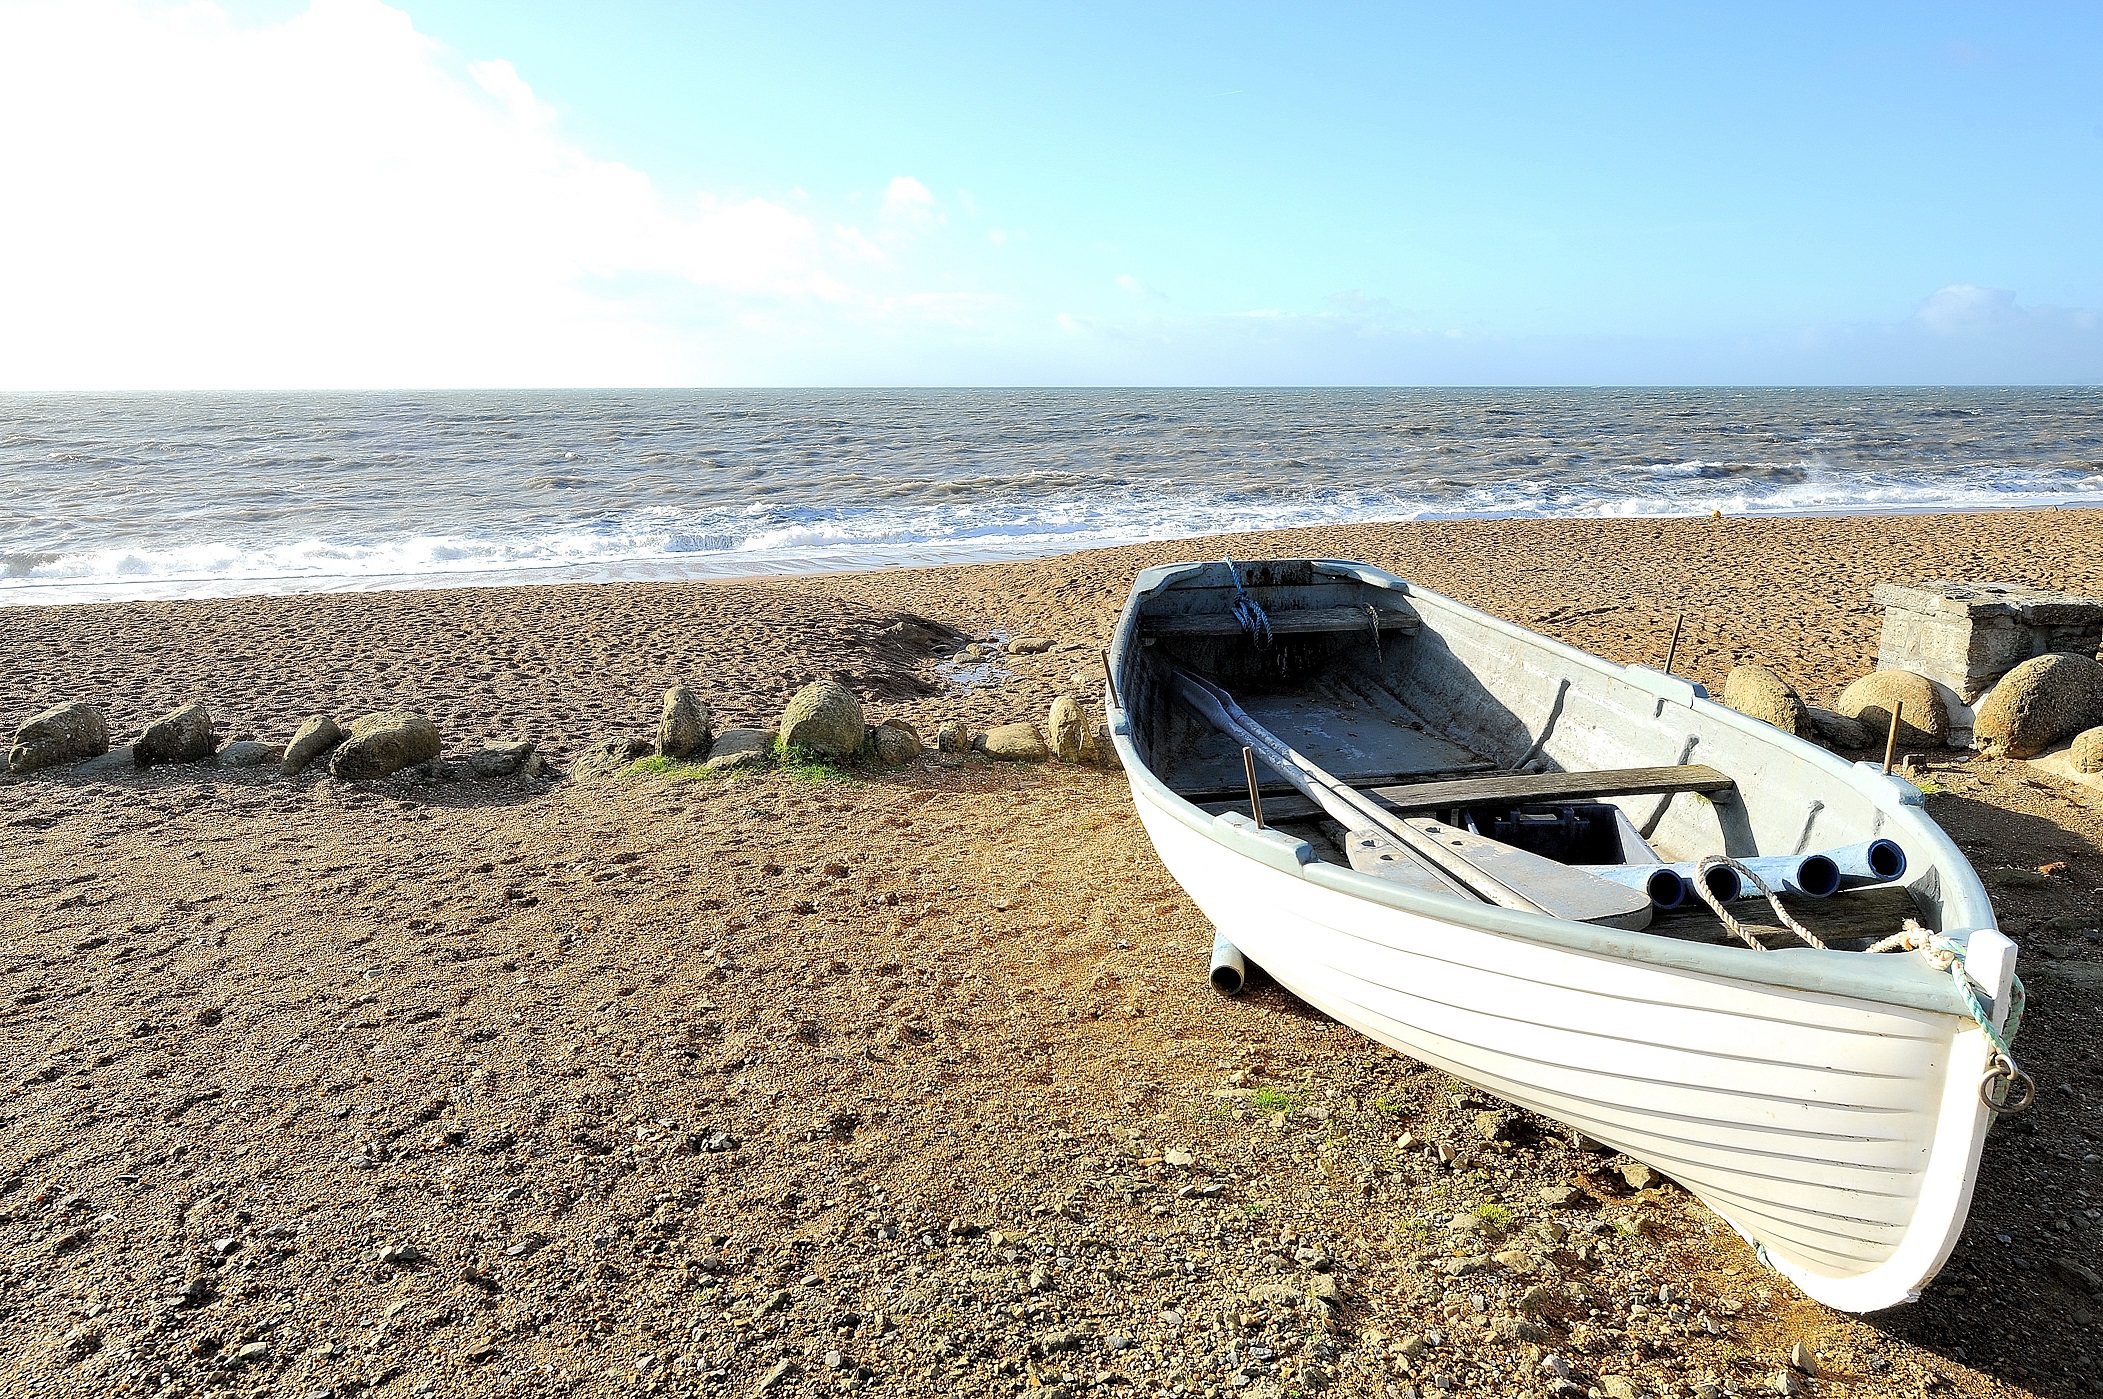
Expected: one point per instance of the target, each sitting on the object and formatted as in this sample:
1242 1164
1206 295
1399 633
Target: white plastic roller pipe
1871 862
1812 876
1662 882
1229 972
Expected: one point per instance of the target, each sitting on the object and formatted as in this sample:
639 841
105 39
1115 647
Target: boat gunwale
1880 979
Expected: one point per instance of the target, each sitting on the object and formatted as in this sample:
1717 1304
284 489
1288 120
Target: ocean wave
176 497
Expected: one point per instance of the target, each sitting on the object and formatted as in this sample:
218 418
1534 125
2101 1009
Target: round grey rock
247 753
316 735
380 745
2039 703
62 734
1067 729
1924 720
894 743
1019 743
740 748
824 717
179 736
500 758
1760 693
685 727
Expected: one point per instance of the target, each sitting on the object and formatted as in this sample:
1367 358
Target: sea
111 497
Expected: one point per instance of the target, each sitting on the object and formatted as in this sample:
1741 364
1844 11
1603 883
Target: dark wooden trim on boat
1285 622
1553 787
1217 799
1513 788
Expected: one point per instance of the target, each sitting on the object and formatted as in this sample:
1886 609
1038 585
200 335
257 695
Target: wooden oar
1548 887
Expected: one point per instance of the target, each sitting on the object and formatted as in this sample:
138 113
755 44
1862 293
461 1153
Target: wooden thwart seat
1511 789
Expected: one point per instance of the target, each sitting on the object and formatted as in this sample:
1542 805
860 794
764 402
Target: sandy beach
907 1084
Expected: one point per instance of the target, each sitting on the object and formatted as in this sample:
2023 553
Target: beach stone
685 728
64 733
2037 704
1925 722
316 735
247 753
1637 1175
380 745
1760 693
1068 729
824 717
2087 752
117 762
179 736
499 758
954 736
1102 748
609 756
1029 645
894 742
1020 743
1838 730
740 748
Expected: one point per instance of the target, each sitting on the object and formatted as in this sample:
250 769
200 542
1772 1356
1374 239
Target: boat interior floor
1359 732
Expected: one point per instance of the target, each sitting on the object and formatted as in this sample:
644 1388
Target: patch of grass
1929 787
1273 1100
1256 1209
1417 1230
804 765
1493 1213
657 765
1391 1108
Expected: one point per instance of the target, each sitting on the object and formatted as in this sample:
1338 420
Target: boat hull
1842 1139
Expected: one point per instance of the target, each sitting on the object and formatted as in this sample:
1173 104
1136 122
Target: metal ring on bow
2002 1070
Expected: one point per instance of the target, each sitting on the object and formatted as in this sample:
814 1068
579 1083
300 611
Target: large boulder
824 717
2040 702
1924 720
1067 728
64 733
317 734
740 748
380 745
894 743
2087 752
179 736
1758 692
1020 743
686 728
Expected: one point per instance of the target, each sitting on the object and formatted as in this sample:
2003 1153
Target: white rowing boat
1418 762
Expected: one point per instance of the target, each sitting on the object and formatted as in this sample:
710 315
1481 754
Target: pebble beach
594 1078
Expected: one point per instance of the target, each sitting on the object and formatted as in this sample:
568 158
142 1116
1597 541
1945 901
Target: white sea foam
324 494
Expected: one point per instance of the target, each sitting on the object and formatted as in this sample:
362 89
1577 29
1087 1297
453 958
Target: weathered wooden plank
1287 621
1521 787
1503 789
1236 798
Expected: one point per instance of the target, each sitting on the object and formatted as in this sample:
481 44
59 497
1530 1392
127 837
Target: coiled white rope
1708 896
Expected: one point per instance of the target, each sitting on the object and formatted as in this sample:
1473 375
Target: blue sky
818 194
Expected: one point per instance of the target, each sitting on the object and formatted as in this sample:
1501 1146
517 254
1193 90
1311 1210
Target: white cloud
337 201
1132 286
